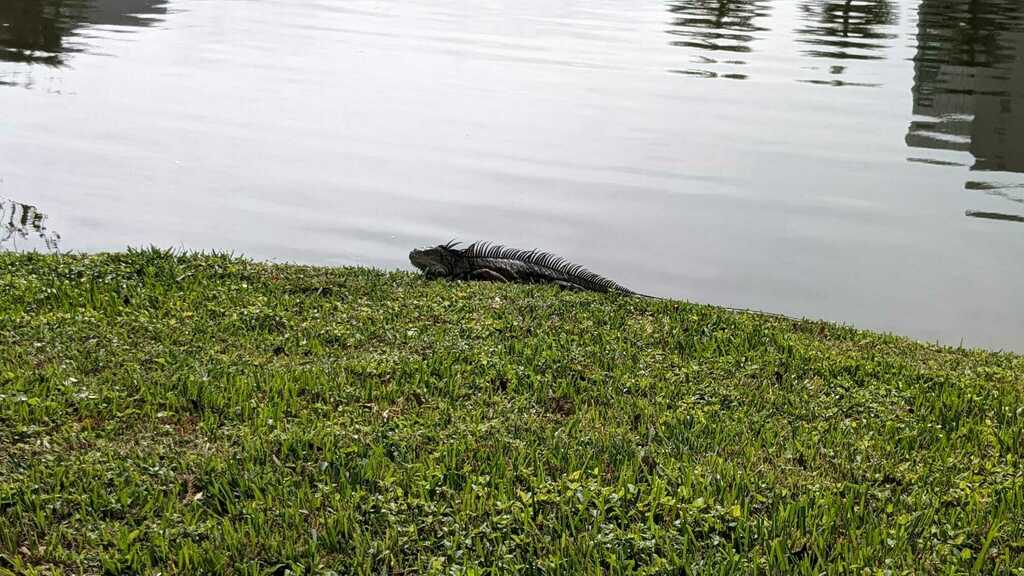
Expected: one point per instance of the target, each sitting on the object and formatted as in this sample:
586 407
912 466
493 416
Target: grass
188 414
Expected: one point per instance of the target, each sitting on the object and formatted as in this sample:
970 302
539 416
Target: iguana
487 261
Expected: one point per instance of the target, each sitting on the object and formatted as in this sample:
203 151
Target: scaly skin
483 261
491 262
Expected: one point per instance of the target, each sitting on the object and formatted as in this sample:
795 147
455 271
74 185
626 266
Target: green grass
189 414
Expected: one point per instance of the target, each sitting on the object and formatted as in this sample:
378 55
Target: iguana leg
485 274
569 286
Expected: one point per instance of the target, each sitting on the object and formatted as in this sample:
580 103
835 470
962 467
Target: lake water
857 161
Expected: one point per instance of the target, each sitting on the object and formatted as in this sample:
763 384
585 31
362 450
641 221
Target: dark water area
856 161
23 227
45 31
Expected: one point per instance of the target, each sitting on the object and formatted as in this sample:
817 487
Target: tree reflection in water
44 32
721 31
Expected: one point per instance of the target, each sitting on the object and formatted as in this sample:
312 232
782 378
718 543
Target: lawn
195 414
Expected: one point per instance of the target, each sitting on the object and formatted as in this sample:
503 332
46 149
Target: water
857 161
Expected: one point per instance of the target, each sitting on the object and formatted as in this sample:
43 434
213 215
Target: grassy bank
202 414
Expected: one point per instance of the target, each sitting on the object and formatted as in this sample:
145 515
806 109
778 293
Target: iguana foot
485 274
569 286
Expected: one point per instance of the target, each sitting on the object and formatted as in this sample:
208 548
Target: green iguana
486 261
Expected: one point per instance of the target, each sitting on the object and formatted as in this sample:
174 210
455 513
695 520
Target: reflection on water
995 216
721 31
722 34
346 131
45 31
1011 192
23 227
846 31
969 86
968 92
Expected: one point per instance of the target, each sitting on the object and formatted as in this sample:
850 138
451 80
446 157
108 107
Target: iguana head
438 261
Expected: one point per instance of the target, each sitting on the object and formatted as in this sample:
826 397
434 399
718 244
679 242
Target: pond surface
858 161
